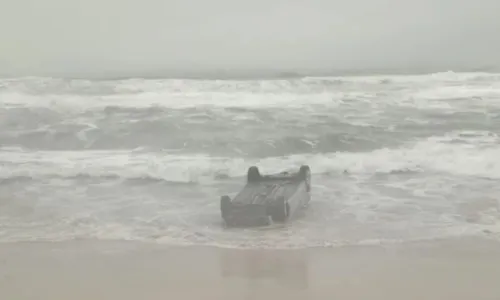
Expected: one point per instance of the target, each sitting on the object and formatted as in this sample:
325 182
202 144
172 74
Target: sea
394 158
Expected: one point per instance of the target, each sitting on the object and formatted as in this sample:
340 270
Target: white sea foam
459 153
173 93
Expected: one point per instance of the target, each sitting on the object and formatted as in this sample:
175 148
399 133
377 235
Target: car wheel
280 210
253 174
305 174
225 203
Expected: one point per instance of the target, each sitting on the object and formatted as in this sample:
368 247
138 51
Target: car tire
225 202
280 210
305 174
253 174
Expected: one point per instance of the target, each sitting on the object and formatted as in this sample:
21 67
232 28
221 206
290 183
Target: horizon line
227 74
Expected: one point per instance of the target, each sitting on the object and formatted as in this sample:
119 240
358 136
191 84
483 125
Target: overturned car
267 199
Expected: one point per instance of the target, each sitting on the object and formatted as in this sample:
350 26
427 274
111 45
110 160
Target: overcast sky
113 36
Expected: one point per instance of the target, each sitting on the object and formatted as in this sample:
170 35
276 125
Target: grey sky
112 36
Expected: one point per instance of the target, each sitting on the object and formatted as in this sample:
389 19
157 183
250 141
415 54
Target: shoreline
469 241
455 269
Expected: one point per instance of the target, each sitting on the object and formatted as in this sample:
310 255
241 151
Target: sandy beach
458 269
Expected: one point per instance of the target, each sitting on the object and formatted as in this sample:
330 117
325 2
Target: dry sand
445 270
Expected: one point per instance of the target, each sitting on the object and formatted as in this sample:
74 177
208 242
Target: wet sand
445 270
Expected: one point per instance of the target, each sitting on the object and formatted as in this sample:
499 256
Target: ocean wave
476 154
140 84
310 94
60 86
259 133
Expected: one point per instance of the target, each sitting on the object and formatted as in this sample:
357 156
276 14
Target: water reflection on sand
287 270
